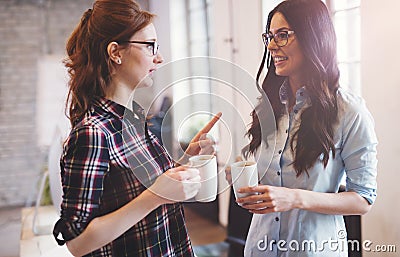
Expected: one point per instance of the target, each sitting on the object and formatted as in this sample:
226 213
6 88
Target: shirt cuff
368 193
63 232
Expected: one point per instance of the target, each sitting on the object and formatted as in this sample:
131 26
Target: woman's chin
280 72
146 82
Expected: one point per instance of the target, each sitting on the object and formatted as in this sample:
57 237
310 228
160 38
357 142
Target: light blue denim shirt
311 233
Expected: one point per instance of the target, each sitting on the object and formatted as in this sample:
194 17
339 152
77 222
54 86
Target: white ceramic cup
207 166
244 174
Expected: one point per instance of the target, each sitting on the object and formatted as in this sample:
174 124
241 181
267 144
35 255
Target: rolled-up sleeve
359 151
84 163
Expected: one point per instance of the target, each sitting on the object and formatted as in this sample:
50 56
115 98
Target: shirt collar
302 95
284 93
118 110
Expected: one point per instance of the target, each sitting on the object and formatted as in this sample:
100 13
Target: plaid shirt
108 160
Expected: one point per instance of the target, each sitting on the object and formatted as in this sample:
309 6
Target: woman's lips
278 60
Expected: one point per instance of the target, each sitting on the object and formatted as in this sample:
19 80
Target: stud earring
119 61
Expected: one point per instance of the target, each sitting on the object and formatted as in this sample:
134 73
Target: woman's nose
272 45
158 58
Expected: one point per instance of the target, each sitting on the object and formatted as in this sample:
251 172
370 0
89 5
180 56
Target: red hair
88 62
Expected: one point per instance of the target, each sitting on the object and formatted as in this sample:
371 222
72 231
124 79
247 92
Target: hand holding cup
244 174
177 184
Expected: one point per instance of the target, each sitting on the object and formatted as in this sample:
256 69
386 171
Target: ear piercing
119 61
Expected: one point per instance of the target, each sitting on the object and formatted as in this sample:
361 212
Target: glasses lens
155 47
281 38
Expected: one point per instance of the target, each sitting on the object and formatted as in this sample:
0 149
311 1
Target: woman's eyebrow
281 29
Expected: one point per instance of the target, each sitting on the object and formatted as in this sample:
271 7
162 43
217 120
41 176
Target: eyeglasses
152 45
280 38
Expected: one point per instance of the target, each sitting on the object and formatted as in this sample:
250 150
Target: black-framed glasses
153 45
281 38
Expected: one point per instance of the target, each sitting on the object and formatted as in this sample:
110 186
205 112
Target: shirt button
286 131
276 219
278 173
280 151
296 111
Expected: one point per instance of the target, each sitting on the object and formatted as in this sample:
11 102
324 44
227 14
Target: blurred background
33 81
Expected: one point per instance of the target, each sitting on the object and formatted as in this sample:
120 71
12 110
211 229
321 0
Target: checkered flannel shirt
109 159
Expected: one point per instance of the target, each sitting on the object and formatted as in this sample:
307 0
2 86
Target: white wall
381 89
236 28
51 94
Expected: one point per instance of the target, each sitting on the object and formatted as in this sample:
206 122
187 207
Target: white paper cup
207 166
244 174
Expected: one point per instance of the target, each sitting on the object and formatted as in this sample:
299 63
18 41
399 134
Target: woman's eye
282 35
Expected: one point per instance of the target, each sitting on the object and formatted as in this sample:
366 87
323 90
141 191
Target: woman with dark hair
121 191
323 134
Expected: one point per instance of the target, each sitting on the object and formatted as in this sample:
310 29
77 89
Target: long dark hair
316 36
88 63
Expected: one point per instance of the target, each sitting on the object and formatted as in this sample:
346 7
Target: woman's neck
119 93
295 84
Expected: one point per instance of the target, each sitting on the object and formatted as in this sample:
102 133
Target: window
190 30
346 18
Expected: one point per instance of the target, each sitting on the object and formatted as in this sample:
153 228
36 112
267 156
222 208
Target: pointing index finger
207 127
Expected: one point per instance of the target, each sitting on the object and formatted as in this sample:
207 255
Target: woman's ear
114 52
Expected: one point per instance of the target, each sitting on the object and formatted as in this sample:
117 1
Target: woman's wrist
152 198
299 199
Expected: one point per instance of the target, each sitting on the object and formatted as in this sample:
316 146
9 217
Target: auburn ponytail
88 63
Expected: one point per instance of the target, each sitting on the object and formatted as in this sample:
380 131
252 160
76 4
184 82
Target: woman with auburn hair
121 191
323 134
